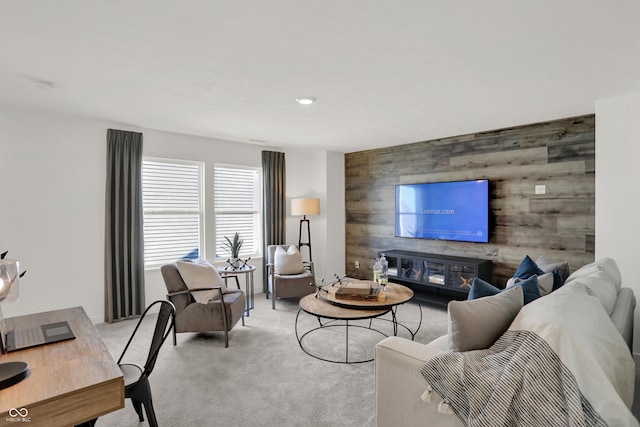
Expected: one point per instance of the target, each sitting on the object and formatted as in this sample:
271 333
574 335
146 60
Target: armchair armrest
188 291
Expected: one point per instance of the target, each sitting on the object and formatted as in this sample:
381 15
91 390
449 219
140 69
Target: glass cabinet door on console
434 272
461 276
411 269
392 270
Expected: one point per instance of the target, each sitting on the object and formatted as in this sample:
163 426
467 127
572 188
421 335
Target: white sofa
591 319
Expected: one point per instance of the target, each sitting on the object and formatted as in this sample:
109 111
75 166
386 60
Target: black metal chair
136 378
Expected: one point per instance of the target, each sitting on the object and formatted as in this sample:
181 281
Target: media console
436 278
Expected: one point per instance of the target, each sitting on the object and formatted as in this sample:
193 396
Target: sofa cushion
201 274
574 287
607 265
477 324
600 285
287 262
579 331
480 288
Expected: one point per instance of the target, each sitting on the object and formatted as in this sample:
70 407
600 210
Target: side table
247 270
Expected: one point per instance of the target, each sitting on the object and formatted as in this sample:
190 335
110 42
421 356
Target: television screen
444 210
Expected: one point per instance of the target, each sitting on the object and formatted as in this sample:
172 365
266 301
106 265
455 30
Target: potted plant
234 247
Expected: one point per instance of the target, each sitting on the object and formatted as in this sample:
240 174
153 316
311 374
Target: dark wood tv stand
436 278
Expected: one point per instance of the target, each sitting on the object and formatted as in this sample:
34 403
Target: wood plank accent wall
559 224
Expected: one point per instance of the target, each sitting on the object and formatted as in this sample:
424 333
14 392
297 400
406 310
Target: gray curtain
274 206
124 246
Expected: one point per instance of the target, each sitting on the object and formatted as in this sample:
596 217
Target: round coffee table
340 312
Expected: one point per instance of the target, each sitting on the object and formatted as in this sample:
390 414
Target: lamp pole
308 242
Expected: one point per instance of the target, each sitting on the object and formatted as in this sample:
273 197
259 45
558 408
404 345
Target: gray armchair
217 315
287 286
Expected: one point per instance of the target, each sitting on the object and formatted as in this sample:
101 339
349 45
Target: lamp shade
305 207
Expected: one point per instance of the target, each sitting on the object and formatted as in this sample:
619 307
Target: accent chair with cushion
203 302
288 276
136 378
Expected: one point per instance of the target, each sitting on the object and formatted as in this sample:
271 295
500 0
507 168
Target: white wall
335 258
52 175
617 188
325 181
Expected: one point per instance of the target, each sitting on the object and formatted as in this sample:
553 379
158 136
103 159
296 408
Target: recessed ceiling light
306 100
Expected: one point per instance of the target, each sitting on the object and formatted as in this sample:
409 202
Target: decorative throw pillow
527 268
548 266
287 262
478 323
558 281
201 274
546 283
480 288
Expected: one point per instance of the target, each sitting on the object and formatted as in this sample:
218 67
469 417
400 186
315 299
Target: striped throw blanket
519 381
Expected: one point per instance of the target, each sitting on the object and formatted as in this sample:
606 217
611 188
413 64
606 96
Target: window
171 199
237 208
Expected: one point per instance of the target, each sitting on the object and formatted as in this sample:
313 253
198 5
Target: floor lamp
305 207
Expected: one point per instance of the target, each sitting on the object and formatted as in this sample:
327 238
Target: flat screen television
444 210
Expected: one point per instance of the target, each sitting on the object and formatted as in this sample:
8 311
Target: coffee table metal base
342 317
335 323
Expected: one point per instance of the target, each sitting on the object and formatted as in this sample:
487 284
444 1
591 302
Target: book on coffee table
358 291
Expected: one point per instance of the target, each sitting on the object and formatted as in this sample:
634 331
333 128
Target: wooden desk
70 382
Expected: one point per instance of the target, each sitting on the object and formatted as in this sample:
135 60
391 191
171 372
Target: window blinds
171 192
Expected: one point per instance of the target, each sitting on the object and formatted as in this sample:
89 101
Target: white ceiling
384 72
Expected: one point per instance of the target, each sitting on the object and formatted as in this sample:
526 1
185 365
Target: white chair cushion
131 373
287 262
201 274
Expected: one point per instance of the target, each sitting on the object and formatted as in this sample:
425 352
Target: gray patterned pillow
548 266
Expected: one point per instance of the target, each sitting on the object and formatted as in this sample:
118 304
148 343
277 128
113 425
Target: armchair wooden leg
225 322
175 342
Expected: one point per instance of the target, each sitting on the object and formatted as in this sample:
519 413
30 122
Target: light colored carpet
264 378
